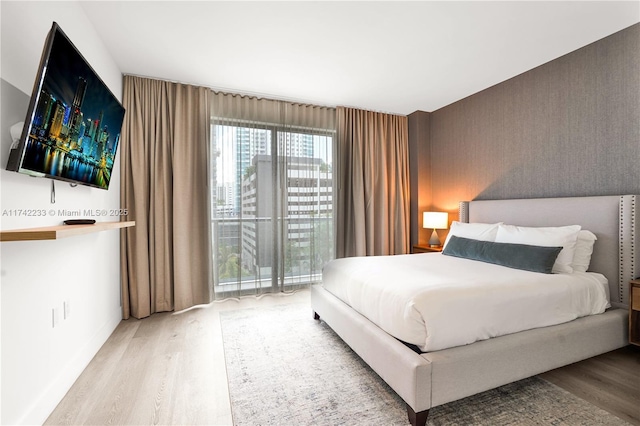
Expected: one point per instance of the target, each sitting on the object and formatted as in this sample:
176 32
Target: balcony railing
250 260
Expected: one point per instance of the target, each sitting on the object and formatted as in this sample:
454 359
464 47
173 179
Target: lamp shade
435 220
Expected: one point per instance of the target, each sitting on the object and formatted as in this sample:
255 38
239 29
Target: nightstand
425 248
634 312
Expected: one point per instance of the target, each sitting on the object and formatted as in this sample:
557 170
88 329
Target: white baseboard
44 404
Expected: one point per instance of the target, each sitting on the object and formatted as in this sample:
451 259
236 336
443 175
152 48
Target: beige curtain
373 183
164 155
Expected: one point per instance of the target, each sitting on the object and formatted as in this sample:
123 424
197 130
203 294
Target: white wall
40 362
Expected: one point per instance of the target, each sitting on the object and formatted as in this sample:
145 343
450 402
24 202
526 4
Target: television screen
73 121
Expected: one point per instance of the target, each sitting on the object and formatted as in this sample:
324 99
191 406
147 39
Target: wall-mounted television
73 122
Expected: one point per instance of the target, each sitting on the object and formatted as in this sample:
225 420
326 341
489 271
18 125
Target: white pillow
564 236
584 250
474 231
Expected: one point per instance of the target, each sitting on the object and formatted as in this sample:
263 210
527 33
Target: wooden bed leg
417 419
316 316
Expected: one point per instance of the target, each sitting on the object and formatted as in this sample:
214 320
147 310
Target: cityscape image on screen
76 121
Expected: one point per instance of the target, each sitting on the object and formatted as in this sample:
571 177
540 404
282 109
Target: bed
428 379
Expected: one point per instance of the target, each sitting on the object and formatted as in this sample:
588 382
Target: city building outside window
272 206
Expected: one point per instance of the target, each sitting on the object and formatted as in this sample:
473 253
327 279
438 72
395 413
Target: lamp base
434 241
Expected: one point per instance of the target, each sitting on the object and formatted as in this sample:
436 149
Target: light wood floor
170 369
611 381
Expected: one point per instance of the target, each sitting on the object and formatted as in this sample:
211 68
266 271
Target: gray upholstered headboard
611 218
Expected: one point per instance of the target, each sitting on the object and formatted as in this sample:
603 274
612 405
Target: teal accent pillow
518 256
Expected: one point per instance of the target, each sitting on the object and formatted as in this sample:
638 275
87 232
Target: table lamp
435 220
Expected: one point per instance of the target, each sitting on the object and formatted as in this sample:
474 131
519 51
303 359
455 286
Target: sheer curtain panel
373 183
272 194
166 257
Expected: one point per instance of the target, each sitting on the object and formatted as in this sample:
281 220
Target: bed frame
430 379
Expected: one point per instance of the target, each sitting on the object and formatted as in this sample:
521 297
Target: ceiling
388 56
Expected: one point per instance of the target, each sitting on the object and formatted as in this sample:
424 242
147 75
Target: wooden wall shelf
60 231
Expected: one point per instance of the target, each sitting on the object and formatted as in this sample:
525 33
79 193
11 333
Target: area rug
284 368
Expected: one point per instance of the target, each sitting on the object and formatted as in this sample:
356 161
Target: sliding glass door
272 206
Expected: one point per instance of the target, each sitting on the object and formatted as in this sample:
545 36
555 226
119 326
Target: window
272 205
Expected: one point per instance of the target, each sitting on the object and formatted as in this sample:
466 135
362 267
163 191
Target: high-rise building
78 98
57 121
43 111
295 144
77 118
308 199
249 143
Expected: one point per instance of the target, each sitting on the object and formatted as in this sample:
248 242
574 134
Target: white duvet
435 301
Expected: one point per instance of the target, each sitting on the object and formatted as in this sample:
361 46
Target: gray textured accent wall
420 173
570 127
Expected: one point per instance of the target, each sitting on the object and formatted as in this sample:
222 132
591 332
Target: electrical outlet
66 306
54 317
